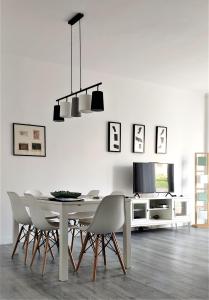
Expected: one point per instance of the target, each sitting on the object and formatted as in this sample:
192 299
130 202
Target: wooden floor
166 264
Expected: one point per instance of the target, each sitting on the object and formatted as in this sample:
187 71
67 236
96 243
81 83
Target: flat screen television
151 177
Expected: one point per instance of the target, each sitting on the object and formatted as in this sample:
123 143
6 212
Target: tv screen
164 177
153 177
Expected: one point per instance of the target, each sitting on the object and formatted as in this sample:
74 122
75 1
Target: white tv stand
159 211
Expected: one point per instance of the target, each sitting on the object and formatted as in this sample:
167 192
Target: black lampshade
56 116
97 103
75 108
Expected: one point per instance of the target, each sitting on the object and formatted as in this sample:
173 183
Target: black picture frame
29 140
138 139
161 140
114 137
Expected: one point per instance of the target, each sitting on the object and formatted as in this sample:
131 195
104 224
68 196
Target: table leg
63 246
127 234
15 233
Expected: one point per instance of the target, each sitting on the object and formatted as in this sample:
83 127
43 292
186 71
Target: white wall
0 105
77 159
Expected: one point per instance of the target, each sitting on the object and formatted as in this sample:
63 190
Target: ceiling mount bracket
75 19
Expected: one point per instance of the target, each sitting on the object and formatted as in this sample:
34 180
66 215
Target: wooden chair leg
71 259
50 250
73 237
103 250
27 243
81 236
118 252
82 250
35 238
36 248
95 257
45 252
17 241
58 241
54 237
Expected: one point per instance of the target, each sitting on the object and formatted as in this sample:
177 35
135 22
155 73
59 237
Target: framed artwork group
138 138
29 140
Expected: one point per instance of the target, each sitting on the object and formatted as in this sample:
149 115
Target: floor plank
166 264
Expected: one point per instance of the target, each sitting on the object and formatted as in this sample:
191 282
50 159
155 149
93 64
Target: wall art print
114 137
29 140
138 138
161 140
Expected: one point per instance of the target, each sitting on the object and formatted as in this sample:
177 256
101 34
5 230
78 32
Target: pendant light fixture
85 103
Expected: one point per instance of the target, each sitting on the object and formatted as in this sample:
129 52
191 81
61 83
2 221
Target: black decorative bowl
65 194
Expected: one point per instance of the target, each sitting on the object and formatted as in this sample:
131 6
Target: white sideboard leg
63 245
127 234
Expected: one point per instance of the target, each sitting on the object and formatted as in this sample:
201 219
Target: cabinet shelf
159 208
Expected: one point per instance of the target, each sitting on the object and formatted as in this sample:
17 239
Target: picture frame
114 137
29 140
138 138
161 140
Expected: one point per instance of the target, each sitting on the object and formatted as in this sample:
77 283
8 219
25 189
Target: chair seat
86 221
51 215
80 228
80 215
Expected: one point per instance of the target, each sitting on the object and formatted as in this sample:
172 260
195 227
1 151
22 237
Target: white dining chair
109 217
46 230
21 216
92 194
37 194
76 217
117 193
87 220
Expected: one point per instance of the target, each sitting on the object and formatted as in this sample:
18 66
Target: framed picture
114 137
138 138
161 140
29 140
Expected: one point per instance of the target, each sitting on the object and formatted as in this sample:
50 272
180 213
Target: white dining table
86 205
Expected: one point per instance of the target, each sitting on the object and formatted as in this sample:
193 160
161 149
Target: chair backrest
18 209
93 193
117 193
36 212
35 193
109 216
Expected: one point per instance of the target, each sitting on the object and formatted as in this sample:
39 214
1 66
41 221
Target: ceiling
161 41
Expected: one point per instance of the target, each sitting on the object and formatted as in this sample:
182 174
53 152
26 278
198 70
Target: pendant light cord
80 49
71 59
